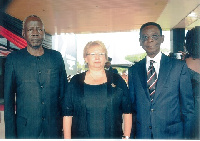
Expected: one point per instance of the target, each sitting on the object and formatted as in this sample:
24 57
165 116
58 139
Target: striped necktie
151 79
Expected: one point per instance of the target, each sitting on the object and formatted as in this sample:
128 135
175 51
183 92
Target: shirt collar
157 58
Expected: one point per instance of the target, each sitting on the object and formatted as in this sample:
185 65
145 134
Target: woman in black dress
193 62
97 101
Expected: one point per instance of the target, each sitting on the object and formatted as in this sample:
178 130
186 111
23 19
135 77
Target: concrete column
177 39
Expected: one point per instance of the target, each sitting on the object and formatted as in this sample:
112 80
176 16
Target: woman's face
95 57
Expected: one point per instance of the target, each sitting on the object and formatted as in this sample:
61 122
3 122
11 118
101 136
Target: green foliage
165 50
135 58
120 70
80 68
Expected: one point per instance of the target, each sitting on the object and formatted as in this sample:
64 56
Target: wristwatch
125 137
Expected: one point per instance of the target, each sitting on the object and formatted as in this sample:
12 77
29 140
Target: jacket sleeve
131 86
9 99
126 101
63 83
68 104
187 102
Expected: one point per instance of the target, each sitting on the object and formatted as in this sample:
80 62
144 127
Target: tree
135 57
80 68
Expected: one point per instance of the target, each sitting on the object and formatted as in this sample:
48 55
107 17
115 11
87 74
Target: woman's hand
67 124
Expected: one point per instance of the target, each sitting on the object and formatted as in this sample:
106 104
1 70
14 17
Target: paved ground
2 125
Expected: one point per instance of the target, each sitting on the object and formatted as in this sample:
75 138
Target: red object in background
4 51
16 40
1 107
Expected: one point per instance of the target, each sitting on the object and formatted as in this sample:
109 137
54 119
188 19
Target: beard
34 46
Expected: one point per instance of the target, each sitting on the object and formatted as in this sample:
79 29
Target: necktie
151 79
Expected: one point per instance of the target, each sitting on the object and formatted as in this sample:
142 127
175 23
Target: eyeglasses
94 54
153 37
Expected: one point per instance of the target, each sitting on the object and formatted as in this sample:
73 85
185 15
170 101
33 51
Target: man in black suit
161 91
37 77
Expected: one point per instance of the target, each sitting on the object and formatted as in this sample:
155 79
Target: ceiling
91 16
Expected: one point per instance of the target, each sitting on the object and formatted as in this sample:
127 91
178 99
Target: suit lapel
109 108
143 76
165 67
109 82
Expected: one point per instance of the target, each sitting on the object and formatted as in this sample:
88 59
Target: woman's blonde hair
95 43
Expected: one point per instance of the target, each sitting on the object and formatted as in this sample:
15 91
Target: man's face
151 40
33 32
107 65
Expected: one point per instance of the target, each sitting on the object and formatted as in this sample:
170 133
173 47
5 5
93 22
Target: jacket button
152 110
150 127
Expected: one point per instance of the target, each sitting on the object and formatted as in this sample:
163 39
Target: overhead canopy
89 16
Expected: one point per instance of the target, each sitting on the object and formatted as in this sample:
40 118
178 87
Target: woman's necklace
96 81
92 78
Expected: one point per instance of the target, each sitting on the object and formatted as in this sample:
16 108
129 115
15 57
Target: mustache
36 39
156 45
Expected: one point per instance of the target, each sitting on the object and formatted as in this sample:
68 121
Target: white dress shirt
156 65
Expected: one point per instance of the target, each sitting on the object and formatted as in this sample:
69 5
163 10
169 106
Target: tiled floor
2 125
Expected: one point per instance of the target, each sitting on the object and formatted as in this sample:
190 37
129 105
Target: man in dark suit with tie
108 66
161 91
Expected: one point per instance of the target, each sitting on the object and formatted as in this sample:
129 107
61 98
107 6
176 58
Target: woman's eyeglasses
94 54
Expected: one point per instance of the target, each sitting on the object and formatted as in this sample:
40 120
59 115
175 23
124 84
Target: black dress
195 79
97 109
95 99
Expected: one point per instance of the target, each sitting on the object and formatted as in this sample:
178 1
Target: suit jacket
170 115
39 85
114 70
118 102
